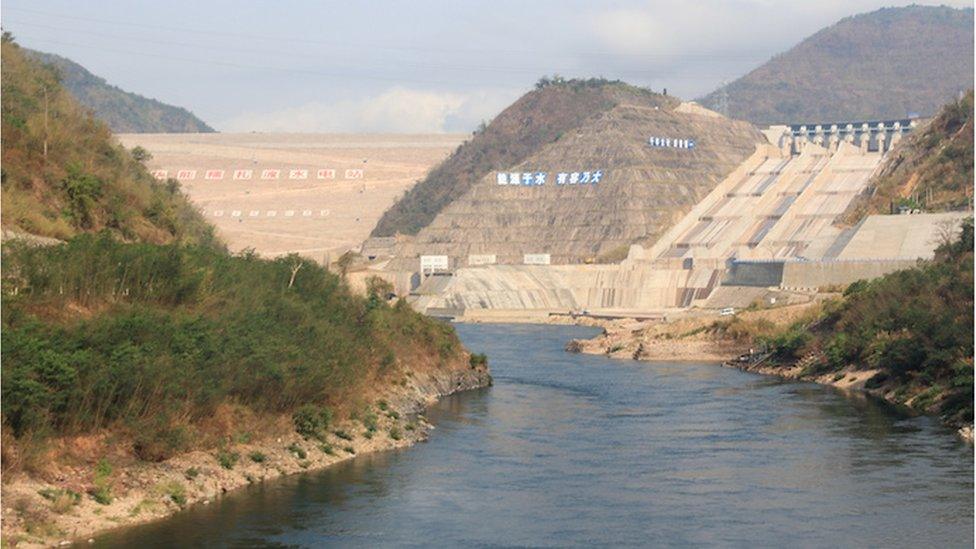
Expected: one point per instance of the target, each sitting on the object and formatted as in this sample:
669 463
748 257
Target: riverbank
868 381
704 338
75 500
726 339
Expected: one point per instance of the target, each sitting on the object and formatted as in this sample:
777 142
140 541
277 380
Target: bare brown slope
536 119
932 169
883 64
643 191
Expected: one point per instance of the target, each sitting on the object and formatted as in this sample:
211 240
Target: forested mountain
123 111
64 174
884 64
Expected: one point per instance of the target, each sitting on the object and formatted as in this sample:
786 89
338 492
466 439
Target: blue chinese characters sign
541 178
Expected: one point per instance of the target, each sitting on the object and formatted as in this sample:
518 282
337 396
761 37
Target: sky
410 66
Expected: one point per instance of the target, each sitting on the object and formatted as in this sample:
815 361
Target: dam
769 226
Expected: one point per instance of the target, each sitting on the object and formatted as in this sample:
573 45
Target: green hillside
141 326
931 169
123 111
63 173
914 326
883 64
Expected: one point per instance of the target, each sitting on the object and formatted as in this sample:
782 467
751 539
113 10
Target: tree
141 155
345 261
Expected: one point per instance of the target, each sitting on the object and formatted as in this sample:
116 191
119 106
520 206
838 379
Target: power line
141 39
374 45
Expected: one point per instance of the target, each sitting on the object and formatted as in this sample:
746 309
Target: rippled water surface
572 449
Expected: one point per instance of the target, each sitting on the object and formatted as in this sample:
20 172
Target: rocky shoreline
683 341
38 513
847 379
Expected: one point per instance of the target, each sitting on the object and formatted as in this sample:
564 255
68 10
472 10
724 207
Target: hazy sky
409 66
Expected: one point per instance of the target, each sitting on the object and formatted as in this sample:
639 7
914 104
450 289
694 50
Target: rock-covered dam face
624 174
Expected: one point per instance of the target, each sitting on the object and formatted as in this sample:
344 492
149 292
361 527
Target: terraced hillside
878 65
536 119
642 189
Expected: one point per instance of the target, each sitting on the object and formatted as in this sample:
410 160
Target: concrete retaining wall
819 274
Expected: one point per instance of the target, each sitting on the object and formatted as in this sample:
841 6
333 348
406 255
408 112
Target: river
571 449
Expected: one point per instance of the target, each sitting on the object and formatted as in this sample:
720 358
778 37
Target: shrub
174 490
395 433
257 457
299 452
101 490
191 473
370 421
156 441
62 500
311 421
342 434
227 459
477 360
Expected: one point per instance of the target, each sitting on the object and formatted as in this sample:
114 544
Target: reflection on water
580 450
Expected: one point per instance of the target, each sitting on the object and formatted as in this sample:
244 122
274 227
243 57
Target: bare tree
295 267
945 232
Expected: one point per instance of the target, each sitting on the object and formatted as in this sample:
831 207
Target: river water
571 449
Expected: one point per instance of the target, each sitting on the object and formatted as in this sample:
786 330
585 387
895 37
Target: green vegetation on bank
64 174
932 169
915 326
153 339
142 327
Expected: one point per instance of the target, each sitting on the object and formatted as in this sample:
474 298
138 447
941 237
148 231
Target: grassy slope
536 119
151 340
932 168
883 64
122 111
87 181
142 325
915 326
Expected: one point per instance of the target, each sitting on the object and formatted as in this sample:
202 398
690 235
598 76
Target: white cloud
396 110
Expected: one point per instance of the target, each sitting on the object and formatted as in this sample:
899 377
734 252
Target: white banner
186 175
297 174
431 263
242 175
484 259
325 174
159 174
354 174
536 259
213 175
270 174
